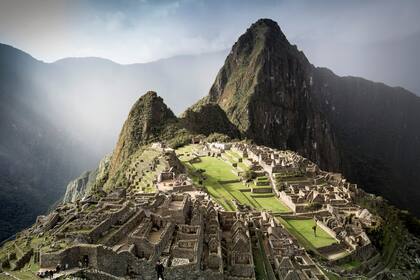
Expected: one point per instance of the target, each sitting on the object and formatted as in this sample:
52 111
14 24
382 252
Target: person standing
159 270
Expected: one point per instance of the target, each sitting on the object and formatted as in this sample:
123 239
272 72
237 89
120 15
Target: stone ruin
124 234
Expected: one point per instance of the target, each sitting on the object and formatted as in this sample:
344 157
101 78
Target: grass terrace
262 180
225 186
302 230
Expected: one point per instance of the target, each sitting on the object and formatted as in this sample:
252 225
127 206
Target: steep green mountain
367 130
149 120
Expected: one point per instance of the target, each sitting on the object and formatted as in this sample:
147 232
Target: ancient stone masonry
308 191
124 232
290 261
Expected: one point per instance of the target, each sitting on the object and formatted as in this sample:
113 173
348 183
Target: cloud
335 34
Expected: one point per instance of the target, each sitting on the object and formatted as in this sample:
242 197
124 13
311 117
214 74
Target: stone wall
268 189
125 229
98 231
286 200
99 257
326 229
242 270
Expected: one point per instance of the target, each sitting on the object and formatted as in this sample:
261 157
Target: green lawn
271 204
233 154
351 265
216 170
303 229
183 151
243 166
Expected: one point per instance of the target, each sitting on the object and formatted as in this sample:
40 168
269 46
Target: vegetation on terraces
222 183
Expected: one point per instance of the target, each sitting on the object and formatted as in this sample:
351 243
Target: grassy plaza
224 185
302 230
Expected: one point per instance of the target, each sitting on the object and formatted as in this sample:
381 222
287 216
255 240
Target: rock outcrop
85 183
77 188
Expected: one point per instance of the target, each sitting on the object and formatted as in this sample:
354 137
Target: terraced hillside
223 180
270 207
215 209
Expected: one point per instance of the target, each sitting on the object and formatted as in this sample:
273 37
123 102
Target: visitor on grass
314 228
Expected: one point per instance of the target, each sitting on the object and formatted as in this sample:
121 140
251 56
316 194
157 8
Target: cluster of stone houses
193 239
270 160
289 260
310 192
126 231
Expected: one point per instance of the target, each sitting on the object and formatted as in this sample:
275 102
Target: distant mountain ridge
48 110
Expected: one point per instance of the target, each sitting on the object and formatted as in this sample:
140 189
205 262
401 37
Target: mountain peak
260 35
146 120
267 27
265 89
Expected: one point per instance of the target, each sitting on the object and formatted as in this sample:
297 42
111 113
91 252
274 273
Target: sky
378 40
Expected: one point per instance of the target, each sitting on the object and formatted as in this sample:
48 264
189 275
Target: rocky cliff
265 89
86 182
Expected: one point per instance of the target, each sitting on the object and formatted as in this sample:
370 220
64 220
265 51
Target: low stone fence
262 190
263 195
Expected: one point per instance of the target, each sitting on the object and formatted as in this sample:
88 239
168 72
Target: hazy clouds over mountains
89 97
59 119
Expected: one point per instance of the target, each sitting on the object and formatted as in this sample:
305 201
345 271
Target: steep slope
378 132
147 121
368 131
150 120
86 182
265 89
37 158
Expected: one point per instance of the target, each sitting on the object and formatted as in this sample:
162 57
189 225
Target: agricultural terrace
221 181
302 230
